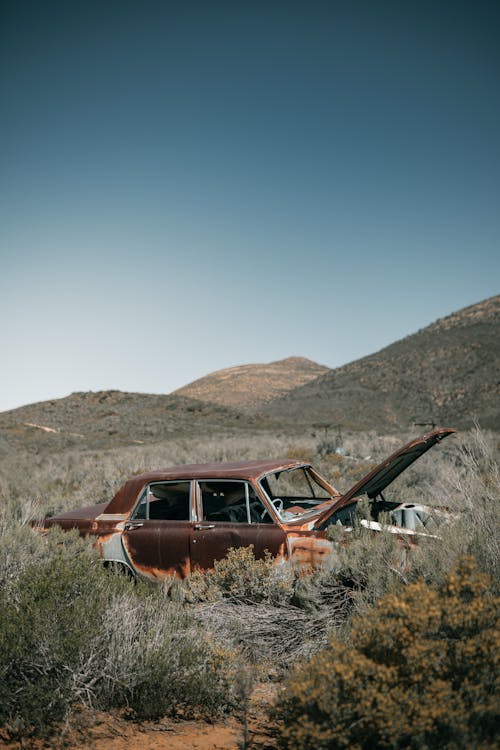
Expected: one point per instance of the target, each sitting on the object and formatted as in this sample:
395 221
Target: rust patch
306 551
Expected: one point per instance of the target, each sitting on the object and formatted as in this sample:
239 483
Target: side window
232 502
165 501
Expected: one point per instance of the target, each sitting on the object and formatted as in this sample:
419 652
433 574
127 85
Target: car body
176 520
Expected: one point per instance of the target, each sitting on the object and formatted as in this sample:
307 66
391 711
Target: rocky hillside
448 372
106 419
249 387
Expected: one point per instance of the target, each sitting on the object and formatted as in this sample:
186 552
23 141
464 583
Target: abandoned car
176 520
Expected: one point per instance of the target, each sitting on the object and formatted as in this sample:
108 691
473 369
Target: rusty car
176 520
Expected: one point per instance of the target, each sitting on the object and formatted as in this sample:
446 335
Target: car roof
245 470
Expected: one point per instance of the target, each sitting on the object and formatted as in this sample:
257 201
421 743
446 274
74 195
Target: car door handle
133 525
202 526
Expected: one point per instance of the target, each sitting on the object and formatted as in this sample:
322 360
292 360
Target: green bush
157 659
242 578
72 633
421 671
50 616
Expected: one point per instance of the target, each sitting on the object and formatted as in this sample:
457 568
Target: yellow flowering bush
420 671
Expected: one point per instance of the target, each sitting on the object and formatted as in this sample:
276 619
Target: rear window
165 501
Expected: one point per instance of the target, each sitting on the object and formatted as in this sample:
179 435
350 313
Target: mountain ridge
447 372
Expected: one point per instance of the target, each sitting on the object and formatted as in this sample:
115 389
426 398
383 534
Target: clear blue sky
190 186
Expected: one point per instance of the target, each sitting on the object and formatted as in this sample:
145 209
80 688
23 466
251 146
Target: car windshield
294 491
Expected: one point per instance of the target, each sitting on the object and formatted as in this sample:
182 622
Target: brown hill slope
448 372
105 419
250 386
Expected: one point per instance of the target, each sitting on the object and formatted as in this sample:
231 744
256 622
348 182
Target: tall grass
470 488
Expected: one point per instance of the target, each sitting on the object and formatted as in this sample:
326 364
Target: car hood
386 472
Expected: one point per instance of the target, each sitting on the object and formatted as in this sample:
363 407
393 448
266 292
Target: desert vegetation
72 633
421 671
365 649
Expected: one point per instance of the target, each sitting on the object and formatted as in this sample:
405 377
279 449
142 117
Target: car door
232 515
157 536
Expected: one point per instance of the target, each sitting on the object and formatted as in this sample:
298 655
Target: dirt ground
101 731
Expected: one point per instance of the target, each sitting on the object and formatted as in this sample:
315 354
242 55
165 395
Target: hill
448 372
249 387
106 419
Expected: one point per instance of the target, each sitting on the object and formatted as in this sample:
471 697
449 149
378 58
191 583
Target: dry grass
276 635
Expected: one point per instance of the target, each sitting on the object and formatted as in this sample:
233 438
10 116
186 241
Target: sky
188 186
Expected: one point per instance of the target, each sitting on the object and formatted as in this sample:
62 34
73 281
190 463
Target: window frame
248 486
193 515
309 471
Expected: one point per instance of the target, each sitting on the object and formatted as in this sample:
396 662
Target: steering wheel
278 504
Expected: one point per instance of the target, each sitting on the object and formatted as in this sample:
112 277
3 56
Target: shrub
49 618
156 659
264 633
242 578
419 672
72 633
19 548
368 563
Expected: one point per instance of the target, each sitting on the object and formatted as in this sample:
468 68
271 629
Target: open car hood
386 472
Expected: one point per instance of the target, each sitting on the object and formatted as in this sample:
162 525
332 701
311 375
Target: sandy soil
115 732
115 735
